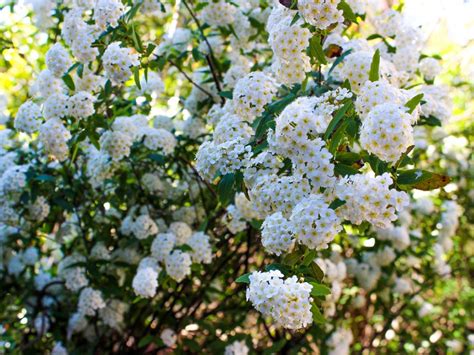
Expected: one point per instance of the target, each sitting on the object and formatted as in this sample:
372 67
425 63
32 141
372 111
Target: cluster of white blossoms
145 280
118 62
237 348
81 105
335 272
251 94
287 301
28 117
90 301
166 249
108 12
369 198
218 13
339 342
58 60
320 13
314 223
387 132
288 41
72 270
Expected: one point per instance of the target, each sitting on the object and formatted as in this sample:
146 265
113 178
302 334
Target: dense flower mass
159 159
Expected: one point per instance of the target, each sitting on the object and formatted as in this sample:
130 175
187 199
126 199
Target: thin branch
190 79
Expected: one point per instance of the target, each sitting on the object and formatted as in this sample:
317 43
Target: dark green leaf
244 278
413 102
316 49
319 289
337 118
345 170
375 67
226 189
337 203
226 94
136 76
422 179
69 82
347 11
317 315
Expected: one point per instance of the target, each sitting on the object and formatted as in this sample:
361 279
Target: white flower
81 105
28 117
178 265
387 132
288 301
169 337
201 248
108 12
90 301
429 68
320 13
145 282
118 62
276 234
57 60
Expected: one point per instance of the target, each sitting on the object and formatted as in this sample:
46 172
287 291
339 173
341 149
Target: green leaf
225 189
338 61
137 42
337 203
429 121
422 179
245 278
160 159
345 170
374 66
292 258
316 271
45 177
276 107
413 102
317 315
107 89
309 257
280 267
319 289
316 49
145 341
136 76
149 49
69 82
348 157
339 135
337 118
347 11
295 18
226 94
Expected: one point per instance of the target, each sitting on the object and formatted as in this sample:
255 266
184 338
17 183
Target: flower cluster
287 301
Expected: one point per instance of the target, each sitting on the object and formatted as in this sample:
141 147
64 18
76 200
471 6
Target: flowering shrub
231 177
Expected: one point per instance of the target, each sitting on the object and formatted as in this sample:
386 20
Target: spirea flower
178 265
28 117
387 132
145 282
288 301
118 62
90 301
320 13
314 223
162 245
81 105
369 198
201 248
54 136
57 60
251 94
108 12
276 234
